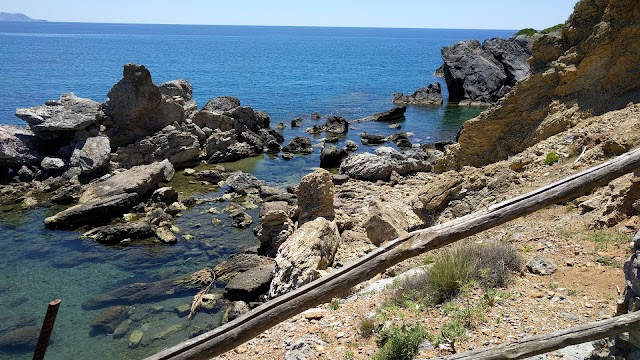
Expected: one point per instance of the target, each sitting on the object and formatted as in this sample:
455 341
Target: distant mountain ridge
16 17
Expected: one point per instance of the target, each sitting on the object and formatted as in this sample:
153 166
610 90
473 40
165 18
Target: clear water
285 71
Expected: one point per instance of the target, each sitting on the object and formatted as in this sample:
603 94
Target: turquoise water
287 72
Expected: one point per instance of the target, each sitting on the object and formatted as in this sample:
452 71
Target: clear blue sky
462 14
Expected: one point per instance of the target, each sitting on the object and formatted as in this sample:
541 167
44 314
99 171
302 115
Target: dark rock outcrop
485 73
299 145
428 95
394 114
331 157
336 125
581 71
136 108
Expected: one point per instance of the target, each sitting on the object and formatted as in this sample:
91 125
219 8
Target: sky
459 14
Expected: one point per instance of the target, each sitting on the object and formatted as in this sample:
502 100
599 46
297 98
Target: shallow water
286 71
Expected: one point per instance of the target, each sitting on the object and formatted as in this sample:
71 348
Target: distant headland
17 17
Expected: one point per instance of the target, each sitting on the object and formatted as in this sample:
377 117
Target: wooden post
46 330
244 328
540 344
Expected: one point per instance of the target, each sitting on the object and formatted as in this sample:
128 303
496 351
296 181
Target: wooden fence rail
540 344
244 328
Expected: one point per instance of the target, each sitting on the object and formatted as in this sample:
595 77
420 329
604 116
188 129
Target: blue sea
285 71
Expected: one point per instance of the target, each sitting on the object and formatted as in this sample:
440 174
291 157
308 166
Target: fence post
47 328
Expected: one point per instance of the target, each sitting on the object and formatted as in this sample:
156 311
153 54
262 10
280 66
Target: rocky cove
143 200
133 159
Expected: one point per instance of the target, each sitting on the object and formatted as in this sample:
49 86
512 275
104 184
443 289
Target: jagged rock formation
427 95
485 73
586 69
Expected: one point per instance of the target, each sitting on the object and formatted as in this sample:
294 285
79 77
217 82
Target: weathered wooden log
540 344
236 332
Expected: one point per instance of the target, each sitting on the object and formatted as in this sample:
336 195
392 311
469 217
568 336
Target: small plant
349 355
552 158
572 292
553 285
400 342
367 327
335 304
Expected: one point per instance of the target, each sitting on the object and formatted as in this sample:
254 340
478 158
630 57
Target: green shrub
496 262
527 31
551 158
451 270
489 265
553 28
367 327
400 342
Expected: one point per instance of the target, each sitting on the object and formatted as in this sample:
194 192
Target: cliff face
589 68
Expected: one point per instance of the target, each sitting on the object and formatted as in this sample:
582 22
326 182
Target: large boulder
136 108
181 148
250 285
92 154
20 339
275 227
484 73
222 103
427 95
139 180
431 199
177 88
309 250
384 222
331 157
315 196
224 146
299 145
241 182
212 120
112 197
379 166
17 147
61 119
336 125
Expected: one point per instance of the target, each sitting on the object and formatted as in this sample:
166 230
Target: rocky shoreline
113 161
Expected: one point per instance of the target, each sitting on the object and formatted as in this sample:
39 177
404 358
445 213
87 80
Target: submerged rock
107 320
21 339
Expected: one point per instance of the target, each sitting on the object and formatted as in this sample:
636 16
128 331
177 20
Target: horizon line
41 21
